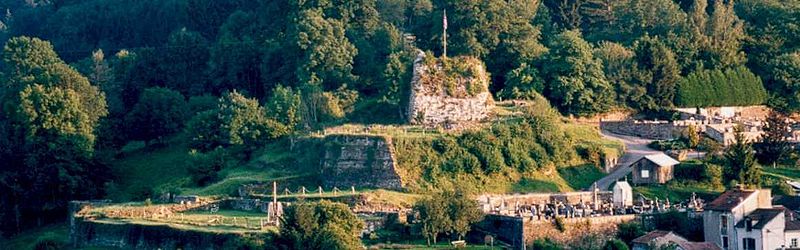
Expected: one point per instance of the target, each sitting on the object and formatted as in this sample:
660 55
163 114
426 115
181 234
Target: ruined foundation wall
430 104
360 161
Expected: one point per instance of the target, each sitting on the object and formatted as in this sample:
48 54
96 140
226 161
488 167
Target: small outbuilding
623 194
653 169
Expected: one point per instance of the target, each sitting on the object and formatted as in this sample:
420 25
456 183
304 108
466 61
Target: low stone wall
250 205
359 161
88 230
577 231
544 198
655 130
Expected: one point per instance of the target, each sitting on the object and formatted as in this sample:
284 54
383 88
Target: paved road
635 149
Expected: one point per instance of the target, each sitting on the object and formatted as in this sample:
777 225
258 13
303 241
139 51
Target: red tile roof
647 238
728 200
698 246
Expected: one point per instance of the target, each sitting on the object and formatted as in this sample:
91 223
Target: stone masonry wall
435 108
577 229
521 232
91 233
662 130
360 161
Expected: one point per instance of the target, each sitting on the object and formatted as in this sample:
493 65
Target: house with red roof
746 220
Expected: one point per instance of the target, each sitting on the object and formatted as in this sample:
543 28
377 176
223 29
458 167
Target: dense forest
81 78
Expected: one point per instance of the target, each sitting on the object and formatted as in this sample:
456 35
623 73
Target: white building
747 220
622 194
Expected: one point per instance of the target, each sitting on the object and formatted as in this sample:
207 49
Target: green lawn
581 177
140 171
677 191
228 213
586 135
787 173
57 233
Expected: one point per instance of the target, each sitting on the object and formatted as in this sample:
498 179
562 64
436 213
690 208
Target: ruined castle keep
360 161
449 91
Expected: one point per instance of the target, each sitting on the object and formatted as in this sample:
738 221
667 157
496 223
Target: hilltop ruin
449 91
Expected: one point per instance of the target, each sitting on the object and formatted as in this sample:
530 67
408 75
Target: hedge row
732 87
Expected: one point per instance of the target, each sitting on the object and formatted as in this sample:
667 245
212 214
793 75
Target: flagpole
444 34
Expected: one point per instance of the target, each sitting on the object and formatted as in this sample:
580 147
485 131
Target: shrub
560 224
690 171
545 244
615 244
205 167
629 230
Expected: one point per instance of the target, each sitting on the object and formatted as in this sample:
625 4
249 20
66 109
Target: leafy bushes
448 74
535 142
700 172
447 212
320 225
668 145
731 87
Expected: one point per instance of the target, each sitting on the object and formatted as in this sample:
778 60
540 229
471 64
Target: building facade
746 220
653 169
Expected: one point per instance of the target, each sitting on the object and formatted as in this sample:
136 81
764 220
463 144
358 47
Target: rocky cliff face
449 91
360 161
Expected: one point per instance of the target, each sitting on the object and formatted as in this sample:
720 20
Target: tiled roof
761 217
647 238
728 200
790 202
669 237
698 246
662 160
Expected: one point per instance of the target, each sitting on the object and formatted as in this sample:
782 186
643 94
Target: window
794 243
645 173
749 244
724 242
723 224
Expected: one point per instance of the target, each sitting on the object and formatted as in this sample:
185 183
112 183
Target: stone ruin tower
449 91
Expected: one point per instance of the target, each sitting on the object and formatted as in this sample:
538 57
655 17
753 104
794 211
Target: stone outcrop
360 161
449 91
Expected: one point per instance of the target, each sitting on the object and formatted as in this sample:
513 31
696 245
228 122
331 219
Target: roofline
740 203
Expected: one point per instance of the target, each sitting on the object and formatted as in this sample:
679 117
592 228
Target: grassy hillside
529 148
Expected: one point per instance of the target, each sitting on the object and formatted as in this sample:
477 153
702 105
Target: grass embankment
782 172
141 170
144 172
512 154
56 233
